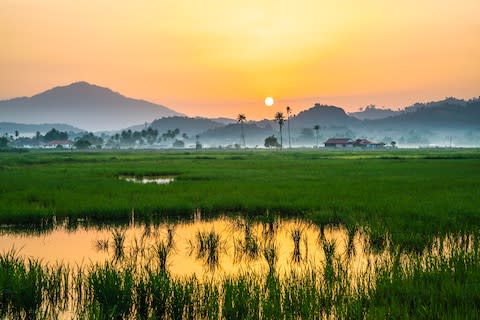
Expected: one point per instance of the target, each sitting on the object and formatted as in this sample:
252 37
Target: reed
118 243
400 288
208 248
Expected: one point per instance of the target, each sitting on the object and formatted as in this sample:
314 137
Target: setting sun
269 101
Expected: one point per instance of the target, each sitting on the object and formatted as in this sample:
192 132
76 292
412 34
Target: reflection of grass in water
248 246
296 235
170 236
162 251
403 286
270 253
270 225
118 236
102 244
208 246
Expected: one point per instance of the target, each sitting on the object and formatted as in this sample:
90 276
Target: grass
402 199
427 286
411 194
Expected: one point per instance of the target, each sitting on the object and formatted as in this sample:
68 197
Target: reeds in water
208 247
118 243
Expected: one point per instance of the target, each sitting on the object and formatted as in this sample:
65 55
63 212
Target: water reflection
219 247
149 179
151 269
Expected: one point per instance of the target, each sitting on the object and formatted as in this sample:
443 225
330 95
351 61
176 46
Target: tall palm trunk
289 140
281 137
243 134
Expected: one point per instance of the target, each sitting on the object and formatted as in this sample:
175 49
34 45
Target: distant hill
82 105
323 115
190 126
450 113
373 113
224 120
28 129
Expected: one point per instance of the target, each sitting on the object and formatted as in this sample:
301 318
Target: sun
269 101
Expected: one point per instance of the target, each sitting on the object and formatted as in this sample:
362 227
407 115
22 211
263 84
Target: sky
220 58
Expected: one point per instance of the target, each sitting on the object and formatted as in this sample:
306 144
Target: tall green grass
411 194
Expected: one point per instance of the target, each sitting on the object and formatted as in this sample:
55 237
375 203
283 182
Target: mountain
445 114
190 126
82 105
224 120
31 129
323 115
373 113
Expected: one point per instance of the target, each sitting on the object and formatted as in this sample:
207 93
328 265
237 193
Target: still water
145 180
204 248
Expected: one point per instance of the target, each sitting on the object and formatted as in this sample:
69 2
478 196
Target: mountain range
94 108
83 105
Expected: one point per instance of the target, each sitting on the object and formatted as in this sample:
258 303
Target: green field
411 194
402 197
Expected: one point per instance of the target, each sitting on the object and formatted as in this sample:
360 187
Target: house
339 143
364 143
349 143
58 144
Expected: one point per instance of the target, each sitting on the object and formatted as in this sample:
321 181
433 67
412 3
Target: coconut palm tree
316 128
241 118
289 111
280 119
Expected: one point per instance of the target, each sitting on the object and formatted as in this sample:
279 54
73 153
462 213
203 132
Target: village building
349 143
59 144
339 143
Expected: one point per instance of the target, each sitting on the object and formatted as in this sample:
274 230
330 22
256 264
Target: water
343 261
240 246
144 180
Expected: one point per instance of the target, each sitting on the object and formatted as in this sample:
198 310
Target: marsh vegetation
299 271
324 234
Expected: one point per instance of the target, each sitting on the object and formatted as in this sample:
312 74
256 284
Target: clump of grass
109 292
170 236
270 253
296 235
248 246
29 290
209 247
102 245
270 226
162 251
118 244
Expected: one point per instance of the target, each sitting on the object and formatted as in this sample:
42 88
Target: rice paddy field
408 245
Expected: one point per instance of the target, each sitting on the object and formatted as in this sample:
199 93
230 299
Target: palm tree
280 119
289 111
242 118
316 128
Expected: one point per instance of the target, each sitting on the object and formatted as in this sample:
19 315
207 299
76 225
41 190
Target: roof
338 141
362 142
57 142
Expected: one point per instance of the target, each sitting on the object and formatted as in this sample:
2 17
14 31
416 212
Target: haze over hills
31 129
82 105
371 112
190 126
93 108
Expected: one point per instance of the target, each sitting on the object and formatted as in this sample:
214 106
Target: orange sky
219 58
